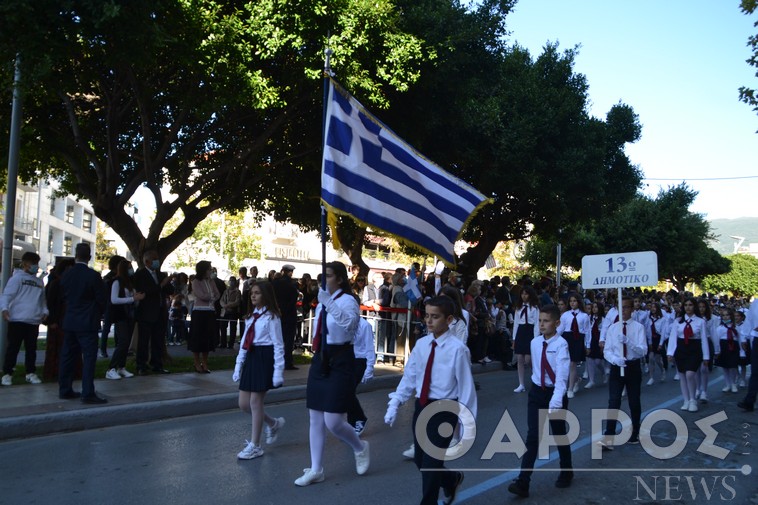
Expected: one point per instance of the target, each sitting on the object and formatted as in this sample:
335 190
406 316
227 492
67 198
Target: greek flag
371 175
411 288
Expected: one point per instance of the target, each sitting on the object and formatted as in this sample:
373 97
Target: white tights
337 424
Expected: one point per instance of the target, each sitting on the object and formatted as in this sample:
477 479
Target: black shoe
291 367
142 371
564 479
71 395
449 495
747 407
508 367
94 400
519 488
634 440
160 370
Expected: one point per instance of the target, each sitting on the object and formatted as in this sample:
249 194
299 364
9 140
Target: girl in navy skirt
711 323
526 314
575 329
657 330
595 361
331 383
260 365
688 347
728 349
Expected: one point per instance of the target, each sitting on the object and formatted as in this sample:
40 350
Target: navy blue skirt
523 342
576 346
332 391
688 357
258 370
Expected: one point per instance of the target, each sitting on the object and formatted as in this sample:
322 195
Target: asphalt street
193 459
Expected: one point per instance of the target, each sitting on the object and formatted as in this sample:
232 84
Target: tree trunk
476 256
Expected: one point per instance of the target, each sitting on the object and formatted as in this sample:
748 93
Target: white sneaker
250 451
7 380
359 427
589 385
650 382
742 383
32 378
725 389
272 433
410 453
362 459
310 477
585 375
126 374
454 450
112 374
576 385
685 405
734 388
570 393
519 389
703 397
693 406
487 360
676 376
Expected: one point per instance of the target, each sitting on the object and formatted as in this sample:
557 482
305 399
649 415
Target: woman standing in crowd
575 329
657 332
399 301
260 366
688 347
711 324
203 326
122 315
330 379
595 361
525 328
744 361
728 349
230 304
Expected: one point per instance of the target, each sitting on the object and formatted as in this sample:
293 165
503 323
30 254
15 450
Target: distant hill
741 227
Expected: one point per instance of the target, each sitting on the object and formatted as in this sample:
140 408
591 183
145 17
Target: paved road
192 460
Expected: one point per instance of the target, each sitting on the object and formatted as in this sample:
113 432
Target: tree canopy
219 102
747 94
740 280
663 224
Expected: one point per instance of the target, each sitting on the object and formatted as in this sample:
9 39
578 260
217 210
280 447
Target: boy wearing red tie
438 369
625 348
550 371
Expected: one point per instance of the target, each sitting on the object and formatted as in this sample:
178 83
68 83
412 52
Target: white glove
555 404
278 381
367 375
621 362
237 371
391 415
323 296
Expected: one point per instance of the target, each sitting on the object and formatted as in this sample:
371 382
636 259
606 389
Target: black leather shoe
564 479
450 494
71 395
519 488
160 370
142 371
94 400
747 407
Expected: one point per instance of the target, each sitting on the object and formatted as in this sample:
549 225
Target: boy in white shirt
438 369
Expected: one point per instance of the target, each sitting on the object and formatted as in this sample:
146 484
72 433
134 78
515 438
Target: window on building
52 206
50 242
87 221
70 214
68 245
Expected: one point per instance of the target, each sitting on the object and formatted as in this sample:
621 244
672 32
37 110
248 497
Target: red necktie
575 326
624 331
423 398
523 315
688 332
545 367
250 334
730 337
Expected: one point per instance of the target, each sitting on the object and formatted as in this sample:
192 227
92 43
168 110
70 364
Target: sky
679 64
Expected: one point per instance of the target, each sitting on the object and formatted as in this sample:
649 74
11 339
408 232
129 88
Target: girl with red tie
260 365
575 328
728 349
688 347
595 361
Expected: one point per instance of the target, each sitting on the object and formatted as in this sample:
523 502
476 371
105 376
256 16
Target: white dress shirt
364 343
662 325
636 342
532 317
722 334
268 331
559 360
451 372
459 328
611 317
698 333
582 320
342 316
641 316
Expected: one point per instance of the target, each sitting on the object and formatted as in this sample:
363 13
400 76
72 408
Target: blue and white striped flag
371 175
411 288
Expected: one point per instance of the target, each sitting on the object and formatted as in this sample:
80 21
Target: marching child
550 371
438 369
260 365
575 328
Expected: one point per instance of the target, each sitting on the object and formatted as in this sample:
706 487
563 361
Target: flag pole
323 351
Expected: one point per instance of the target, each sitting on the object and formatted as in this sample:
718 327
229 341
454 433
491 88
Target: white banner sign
620 270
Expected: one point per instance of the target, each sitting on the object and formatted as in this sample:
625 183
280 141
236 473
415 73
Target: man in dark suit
85 296
151 313
286 293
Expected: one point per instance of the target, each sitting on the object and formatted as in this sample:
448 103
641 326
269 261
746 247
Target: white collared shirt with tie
559 360
636 342
698 333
